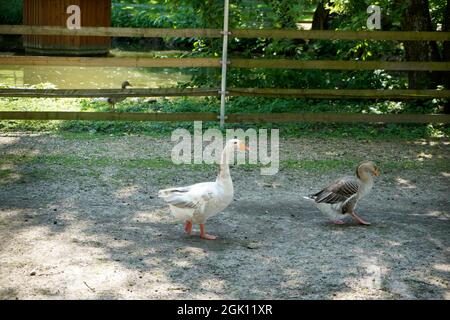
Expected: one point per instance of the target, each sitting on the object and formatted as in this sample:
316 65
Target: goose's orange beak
243 147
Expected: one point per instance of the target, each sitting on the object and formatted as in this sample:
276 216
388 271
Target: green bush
11 12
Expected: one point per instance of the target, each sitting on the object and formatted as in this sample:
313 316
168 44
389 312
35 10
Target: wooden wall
53 13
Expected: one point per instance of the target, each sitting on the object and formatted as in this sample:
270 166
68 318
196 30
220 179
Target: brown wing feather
339 191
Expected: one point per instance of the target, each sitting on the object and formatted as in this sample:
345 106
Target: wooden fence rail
109 31
394 94
262 92
215 63
340 65
237 33
237 63
113 93
231 118
338 117
108 116
110 62
342 35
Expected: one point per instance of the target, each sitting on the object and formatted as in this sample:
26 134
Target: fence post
223 88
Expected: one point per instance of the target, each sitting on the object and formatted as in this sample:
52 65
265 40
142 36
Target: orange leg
188 227
359 219
204 235
338 222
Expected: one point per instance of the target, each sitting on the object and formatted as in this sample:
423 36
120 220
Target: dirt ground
74 228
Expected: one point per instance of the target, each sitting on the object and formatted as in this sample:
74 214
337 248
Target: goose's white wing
190 197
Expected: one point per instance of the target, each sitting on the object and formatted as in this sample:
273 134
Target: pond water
67 77
63 77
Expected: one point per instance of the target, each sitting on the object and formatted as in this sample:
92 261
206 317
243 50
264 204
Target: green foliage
346 15
235 105
11 12
144 14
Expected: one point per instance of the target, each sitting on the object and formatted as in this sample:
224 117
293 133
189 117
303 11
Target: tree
416 17
320 18
284 12
446 53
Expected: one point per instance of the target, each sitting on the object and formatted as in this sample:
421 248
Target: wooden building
54 13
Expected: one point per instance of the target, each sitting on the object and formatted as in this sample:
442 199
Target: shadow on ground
73 231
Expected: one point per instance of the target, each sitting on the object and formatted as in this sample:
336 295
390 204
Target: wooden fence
234 63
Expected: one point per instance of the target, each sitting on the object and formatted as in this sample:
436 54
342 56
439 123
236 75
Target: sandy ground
74 229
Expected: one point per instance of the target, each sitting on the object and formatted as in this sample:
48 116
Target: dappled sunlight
442 267
304 26
9 174
405 183
80 215
7 166
11 215
93 279
8 140
12 145
441 215
153 216
431 143
208 295
153 260
422 156
439 244
194 252
393 243
91 265
126 192
371 272
90 232
214 285
73 77
183 264
294 279
26 153
433 280
374 274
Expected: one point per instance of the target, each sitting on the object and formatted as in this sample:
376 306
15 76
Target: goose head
235 144
230 147
367 169
126 84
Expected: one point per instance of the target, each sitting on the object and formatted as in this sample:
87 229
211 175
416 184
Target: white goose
198 202
340 198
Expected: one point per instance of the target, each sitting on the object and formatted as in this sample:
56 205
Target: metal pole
223 89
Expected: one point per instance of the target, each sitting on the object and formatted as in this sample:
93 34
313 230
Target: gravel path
73 228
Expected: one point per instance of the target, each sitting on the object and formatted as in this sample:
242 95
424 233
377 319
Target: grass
5 173
97 129
318 166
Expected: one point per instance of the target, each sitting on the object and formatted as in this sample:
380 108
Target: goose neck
224 171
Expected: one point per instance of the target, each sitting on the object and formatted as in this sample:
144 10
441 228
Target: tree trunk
320 18
446 53
417 18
